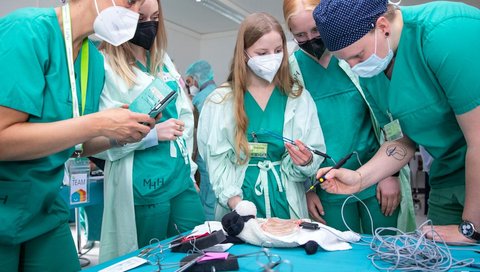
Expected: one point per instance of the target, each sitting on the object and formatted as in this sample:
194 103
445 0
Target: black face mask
314 47
145 34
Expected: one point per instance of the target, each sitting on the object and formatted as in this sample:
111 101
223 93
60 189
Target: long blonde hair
121 57
293 7
251 29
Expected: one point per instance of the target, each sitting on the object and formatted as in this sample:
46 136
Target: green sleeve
23 61
452 52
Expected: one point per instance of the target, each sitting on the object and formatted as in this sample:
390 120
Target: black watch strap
476 236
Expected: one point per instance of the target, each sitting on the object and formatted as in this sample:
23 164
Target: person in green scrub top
37 131
150 190
242 122
347 126
417 68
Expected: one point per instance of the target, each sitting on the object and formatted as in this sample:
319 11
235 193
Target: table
349 260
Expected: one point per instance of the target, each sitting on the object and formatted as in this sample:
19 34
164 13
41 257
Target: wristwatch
468 230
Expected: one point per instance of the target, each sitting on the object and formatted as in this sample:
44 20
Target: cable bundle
412 252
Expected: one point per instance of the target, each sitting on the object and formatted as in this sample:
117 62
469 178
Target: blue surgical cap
343 22
201 71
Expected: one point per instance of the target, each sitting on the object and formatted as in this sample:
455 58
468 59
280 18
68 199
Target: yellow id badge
393 131
258 150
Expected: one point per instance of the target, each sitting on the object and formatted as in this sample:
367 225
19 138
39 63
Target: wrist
115 143
233 201
308 162
469 230
95 122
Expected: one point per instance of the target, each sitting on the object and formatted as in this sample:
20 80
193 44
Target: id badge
79 173
393 131
258 150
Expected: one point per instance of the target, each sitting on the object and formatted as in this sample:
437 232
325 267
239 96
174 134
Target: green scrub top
156 174
259 122
344 117
434 78
33 65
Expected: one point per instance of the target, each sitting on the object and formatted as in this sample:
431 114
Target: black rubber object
212 239
230 264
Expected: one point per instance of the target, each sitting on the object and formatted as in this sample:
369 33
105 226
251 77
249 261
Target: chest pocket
412 90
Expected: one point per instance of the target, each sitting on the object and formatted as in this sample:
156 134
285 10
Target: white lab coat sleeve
295 70
185 113
302 123
215 136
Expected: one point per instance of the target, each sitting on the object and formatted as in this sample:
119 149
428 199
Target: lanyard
67 30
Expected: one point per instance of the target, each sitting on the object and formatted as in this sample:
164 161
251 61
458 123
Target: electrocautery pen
290 141
336 166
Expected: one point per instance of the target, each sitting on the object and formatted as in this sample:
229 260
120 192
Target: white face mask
194 90
374 65
115 25
265 66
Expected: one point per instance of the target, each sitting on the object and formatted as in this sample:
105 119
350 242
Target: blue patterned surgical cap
343 22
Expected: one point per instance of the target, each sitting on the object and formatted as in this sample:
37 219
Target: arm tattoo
396 151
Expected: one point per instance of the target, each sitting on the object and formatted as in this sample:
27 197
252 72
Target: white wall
186 47
7 6
218 50
183 46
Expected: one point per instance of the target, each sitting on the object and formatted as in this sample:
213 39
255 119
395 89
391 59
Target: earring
387 34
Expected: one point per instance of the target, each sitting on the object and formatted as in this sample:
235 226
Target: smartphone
154 98
161 105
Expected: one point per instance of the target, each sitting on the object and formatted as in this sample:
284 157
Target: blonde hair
293 7
391 9
251 29
390 14
121 57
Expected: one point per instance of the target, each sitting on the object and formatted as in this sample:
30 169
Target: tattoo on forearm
396 151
